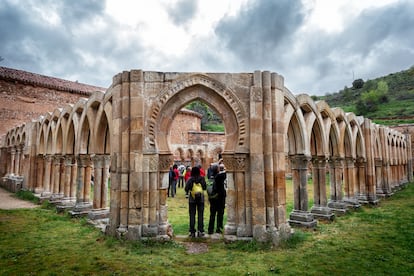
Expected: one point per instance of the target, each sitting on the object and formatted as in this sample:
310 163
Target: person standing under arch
218 202
196 201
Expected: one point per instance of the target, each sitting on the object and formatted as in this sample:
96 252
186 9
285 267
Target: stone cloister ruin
122 134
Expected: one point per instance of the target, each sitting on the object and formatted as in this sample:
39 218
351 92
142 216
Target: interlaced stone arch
196 87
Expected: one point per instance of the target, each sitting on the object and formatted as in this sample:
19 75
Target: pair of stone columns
15 161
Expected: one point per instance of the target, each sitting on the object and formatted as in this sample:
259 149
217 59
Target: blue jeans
173 188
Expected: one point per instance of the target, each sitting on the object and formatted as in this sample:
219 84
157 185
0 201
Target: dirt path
9 202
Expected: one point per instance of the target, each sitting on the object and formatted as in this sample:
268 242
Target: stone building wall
199 137
185 121
190 144
26 96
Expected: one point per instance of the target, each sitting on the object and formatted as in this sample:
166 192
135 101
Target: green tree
209 116
357 84
370 100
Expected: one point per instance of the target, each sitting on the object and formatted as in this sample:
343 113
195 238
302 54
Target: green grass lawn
377 240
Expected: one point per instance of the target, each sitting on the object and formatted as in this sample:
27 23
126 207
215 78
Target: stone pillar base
366 200
166 230
12 183
302 219
323 213
339 207
38 190
352 203
243 231
56 199
96 214
44 196
65 206
230 229
81 209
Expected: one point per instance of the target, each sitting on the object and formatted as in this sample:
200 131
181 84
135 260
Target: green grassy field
377 240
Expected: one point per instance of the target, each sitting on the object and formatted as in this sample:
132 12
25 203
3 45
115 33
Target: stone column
56 175
47 175
379 181
153 195
256 202
83 178
386 175
350 183
18 159
165 160
105 179
3 161
279 155
349 178
319 181
97 187
361 193
336 174
409 158
73 179
80 185
237 223
268 152
320 209
300 181
300 215
12 160
67 176
39 174
88 177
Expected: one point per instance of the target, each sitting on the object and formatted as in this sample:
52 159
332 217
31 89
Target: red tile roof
48 82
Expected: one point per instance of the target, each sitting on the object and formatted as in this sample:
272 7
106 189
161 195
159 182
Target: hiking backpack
197 190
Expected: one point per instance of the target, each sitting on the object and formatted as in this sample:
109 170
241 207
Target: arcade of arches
270 134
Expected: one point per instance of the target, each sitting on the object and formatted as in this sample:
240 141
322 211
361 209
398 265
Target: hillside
387 100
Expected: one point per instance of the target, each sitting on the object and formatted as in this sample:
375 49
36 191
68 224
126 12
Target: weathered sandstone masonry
124 134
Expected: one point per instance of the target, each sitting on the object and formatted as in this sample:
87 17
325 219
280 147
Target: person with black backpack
217 198
195 187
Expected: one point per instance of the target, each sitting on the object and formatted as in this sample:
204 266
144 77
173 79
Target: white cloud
317 45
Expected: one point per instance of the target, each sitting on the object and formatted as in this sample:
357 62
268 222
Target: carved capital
300 162
164 162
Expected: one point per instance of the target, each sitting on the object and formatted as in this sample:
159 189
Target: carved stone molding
208 82
165 161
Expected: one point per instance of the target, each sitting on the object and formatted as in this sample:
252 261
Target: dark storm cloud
71 48
75 11
183 11
261 28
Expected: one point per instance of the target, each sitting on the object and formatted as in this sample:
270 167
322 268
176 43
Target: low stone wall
12 183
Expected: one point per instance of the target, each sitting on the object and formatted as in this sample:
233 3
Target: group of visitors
178 176
195 186
194 183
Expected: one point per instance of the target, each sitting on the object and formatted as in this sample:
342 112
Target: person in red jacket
176 175
202 172
187 176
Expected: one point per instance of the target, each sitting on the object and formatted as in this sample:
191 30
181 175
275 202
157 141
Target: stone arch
180 153
65 122
316 140
102 144
186 90
295 131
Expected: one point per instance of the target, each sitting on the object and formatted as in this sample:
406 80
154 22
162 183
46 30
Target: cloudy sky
319 46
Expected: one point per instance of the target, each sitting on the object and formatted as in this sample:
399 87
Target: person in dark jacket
218 203
196 204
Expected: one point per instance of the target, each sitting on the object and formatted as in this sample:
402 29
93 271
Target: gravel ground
9 202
